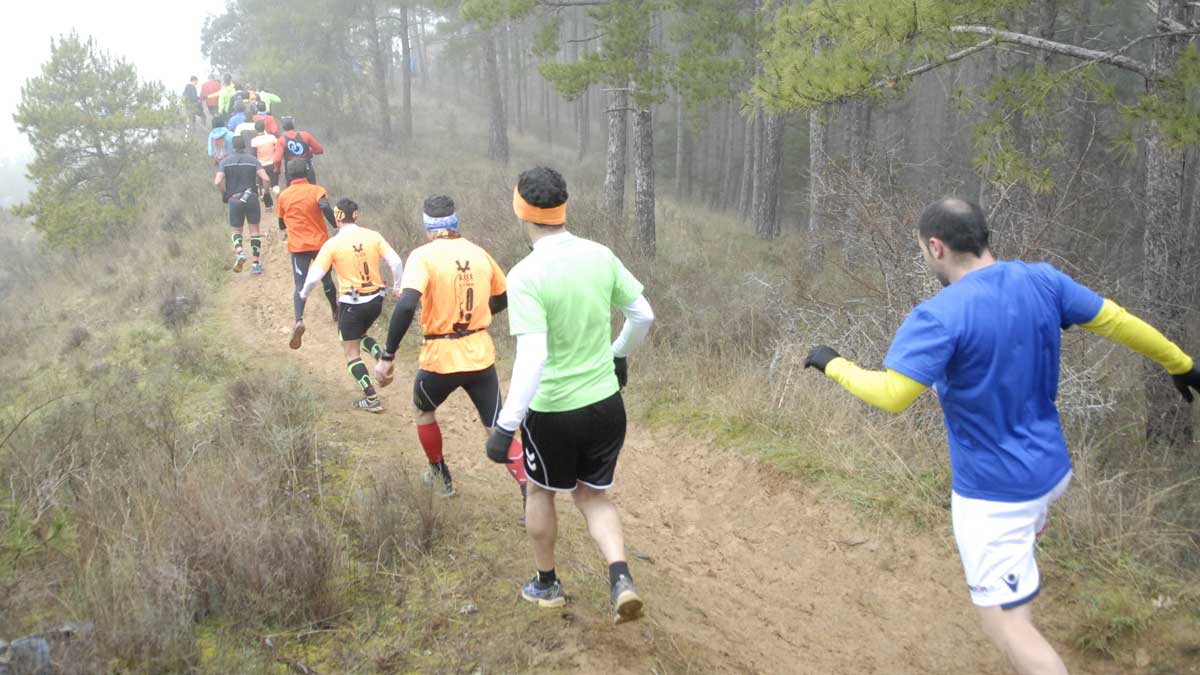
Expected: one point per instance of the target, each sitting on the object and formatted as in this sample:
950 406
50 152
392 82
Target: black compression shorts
430 390
575 446
355 320
240 214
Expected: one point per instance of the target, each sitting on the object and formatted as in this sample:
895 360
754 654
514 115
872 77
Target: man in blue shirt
989 343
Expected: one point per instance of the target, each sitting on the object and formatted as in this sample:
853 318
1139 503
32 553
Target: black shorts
575 446
430 390
355 320
240 214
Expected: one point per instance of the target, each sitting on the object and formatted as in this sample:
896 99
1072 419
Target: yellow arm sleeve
1115 324
888 390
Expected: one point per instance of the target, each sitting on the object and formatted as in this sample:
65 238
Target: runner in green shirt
565 389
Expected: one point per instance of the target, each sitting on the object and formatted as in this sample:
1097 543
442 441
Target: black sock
441 469
358 370
617 569
547 578
255 245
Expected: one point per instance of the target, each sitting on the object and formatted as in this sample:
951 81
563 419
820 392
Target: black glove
819 357
1186 382
621 367
498 444
267 200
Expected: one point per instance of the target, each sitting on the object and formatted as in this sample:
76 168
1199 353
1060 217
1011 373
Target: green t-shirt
567 288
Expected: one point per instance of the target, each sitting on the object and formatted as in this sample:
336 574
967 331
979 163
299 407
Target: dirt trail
747 571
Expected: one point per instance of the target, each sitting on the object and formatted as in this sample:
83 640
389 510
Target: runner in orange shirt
354 252
459 287
303 210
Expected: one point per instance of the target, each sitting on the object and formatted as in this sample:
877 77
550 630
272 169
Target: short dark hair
228 79
959 223
250 109
297 168
542 187
239 142
219 121
349 207
288 123
260 125
262 106
438 206
194 79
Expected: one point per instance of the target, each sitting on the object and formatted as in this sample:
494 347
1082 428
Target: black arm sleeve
282 226
498 303
402 317
328 211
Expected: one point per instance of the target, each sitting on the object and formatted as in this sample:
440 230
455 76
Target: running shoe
239 262
626 604
369 405
544 595
256 268
439 477
297 334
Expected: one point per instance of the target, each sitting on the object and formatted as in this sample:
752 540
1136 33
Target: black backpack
295 147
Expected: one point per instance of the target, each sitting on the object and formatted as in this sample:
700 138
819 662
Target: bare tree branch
1062 48
925 68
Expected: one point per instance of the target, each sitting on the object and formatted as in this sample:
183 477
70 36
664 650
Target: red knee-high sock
516 463
431 441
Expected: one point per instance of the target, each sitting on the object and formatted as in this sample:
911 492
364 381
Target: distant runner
191 104
990 342
219 140
209 92
224 95
354 253
565 391
297 145
269 124
268 98
458 287
240 175
303 210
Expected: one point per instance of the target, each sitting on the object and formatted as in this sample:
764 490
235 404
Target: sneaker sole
629 608
371 410
548 604
239 264
297 335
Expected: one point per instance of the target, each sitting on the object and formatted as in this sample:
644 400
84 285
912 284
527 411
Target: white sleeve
397 264
315 275
526 376
638 317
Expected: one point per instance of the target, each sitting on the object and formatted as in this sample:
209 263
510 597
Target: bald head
960 224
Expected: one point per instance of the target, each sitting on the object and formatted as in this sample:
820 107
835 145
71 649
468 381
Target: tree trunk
756 173
643 169
1168 278
614 159
406 113
379 69
497 123
766 198
860 134
745 191
818 160
679 145
728 186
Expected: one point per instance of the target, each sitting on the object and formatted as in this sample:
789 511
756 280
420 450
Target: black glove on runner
819 357
498 444
1186 382
621 367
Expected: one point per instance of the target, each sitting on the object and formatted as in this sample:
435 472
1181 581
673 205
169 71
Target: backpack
295 147
220 150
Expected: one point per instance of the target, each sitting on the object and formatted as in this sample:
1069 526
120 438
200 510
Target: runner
240 174
268 121
209 92
565 391
264 147
354 253
990 343
267 97
301 208
448 278
191 104
246 128
224 95
218 140
237 119
297 144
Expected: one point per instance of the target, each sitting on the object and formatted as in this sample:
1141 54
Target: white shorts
996 540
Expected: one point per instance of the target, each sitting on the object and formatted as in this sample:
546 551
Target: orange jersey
354 253
456 279
305 223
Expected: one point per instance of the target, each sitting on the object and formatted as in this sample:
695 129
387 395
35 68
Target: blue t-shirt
990 344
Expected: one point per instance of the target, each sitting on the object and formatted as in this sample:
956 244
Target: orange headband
539 216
